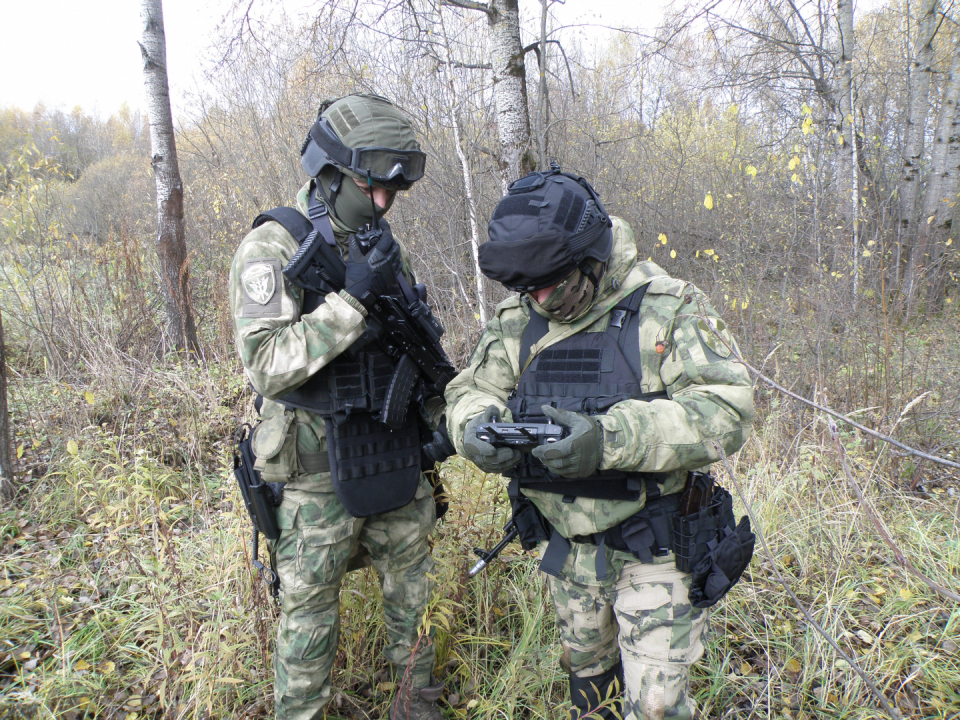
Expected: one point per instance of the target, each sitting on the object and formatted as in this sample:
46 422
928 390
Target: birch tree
7 488
171 247
509 85
921 69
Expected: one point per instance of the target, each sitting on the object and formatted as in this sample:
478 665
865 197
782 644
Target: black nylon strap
536 328
555 555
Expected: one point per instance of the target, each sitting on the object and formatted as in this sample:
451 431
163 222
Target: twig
877 692
897 553
822 408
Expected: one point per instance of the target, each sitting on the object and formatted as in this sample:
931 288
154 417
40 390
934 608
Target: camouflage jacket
710 397
281 348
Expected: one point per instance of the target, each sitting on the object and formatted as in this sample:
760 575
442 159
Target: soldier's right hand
369 276
481 453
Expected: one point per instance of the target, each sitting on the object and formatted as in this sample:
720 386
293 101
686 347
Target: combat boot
417 703
587 694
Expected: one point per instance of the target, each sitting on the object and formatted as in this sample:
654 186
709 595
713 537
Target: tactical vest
374 468
589 373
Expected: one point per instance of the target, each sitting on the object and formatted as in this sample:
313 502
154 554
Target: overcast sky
75 52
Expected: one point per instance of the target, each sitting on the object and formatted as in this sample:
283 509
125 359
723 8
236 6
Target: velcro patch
709 338
261 288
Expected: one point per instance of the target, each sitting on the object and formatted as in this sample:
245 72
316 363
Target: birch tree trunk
509 90
7 487
943 185
466 170
171 248
921 68
849 185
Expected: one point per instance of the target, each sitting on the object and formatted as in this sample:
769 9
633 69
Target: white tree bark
921 69
941 188
849 185
7 487
171 248
509 90
467 171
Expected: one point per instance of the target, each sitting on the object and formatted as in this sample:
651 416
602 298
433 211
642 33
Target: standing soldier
636 367
353 486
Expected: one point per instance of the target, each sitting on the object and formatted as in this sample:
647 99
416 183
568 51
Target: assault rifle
401 321
522 436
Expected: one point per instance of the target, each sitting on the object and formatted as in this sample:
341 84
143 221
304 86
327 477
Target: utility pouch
530 524
693 533
723 565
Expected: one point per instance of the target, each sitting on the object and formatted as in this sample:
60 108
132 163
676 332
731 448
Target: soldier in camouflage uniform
283 344
625 358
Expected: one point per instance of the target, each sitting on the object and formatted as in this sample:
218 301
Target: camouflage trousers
640 615
318 539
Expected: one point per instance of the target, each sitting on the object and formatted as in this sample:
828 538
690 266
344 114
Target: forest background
798 161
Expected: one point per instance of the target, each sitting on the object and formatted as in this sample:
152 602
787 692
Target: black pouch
259 497
723 565
693 533
530 524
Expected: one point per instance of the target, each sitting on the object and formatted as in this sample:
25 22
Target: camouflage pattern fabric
642 616
317 540
320 541
709 398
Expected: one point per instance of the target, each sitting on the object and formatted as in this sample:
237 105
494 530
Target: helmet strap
334 189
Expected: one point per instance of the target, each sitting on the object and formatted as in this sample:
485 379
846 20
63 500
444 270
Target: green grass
126 591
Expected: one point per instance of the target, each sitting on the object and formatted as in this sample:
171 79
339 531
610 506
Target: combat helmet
362 136
547 226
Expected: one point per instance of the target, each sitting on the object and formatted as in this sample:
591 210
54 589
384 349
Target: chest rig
588 373
375 468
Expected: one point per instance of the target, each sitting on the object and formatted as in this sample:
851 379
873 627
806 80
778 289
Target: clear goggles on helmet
388 167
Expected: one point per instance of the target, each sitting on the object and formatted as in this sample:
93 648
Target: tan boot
417 703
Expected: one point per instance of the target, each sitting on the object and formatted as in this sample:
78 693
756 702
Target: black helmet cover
543 229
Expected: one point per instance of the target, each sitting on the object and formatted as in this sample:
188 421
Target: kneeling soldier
627 360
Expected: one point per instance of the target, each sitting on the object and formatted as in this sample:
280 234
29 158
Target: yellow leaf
914 636
72 447
472 704
37 443
867 253
662 238
794 161
81 665
931 219
107 666
949 242
708 201
84 701
805 109
905 594
708 252
673 253
840 140
792 666
743 305
20 451
751 171
88 396
795 178
745 668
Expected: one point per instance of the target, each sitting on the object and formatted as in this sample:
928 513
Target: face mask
351 206
571 299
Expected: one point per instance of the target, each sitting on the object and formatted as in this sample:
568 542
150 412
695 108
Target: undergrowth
126 589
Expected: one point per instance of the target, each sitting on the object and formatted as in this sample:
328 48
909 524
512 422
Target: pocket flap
321 536
269 436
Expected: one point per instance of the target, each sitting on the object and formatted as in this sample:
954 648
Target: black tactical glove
438 448
369 276
481 453
579 453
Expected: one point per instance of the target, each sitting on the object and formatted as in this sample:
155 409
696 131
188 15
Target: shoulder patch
261 287
709 338
664 285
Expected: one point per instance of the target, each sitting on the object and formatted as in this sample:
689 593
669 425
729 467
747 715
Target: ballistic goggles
387 167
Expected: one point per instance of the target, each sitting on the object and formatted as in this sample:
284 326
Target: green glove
580 452
481 453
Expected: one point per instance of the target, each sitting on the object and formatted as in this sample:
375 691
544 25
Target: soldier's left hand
579 453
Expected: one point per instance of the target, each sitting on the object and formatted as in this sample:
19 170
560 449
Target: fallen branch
877 692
